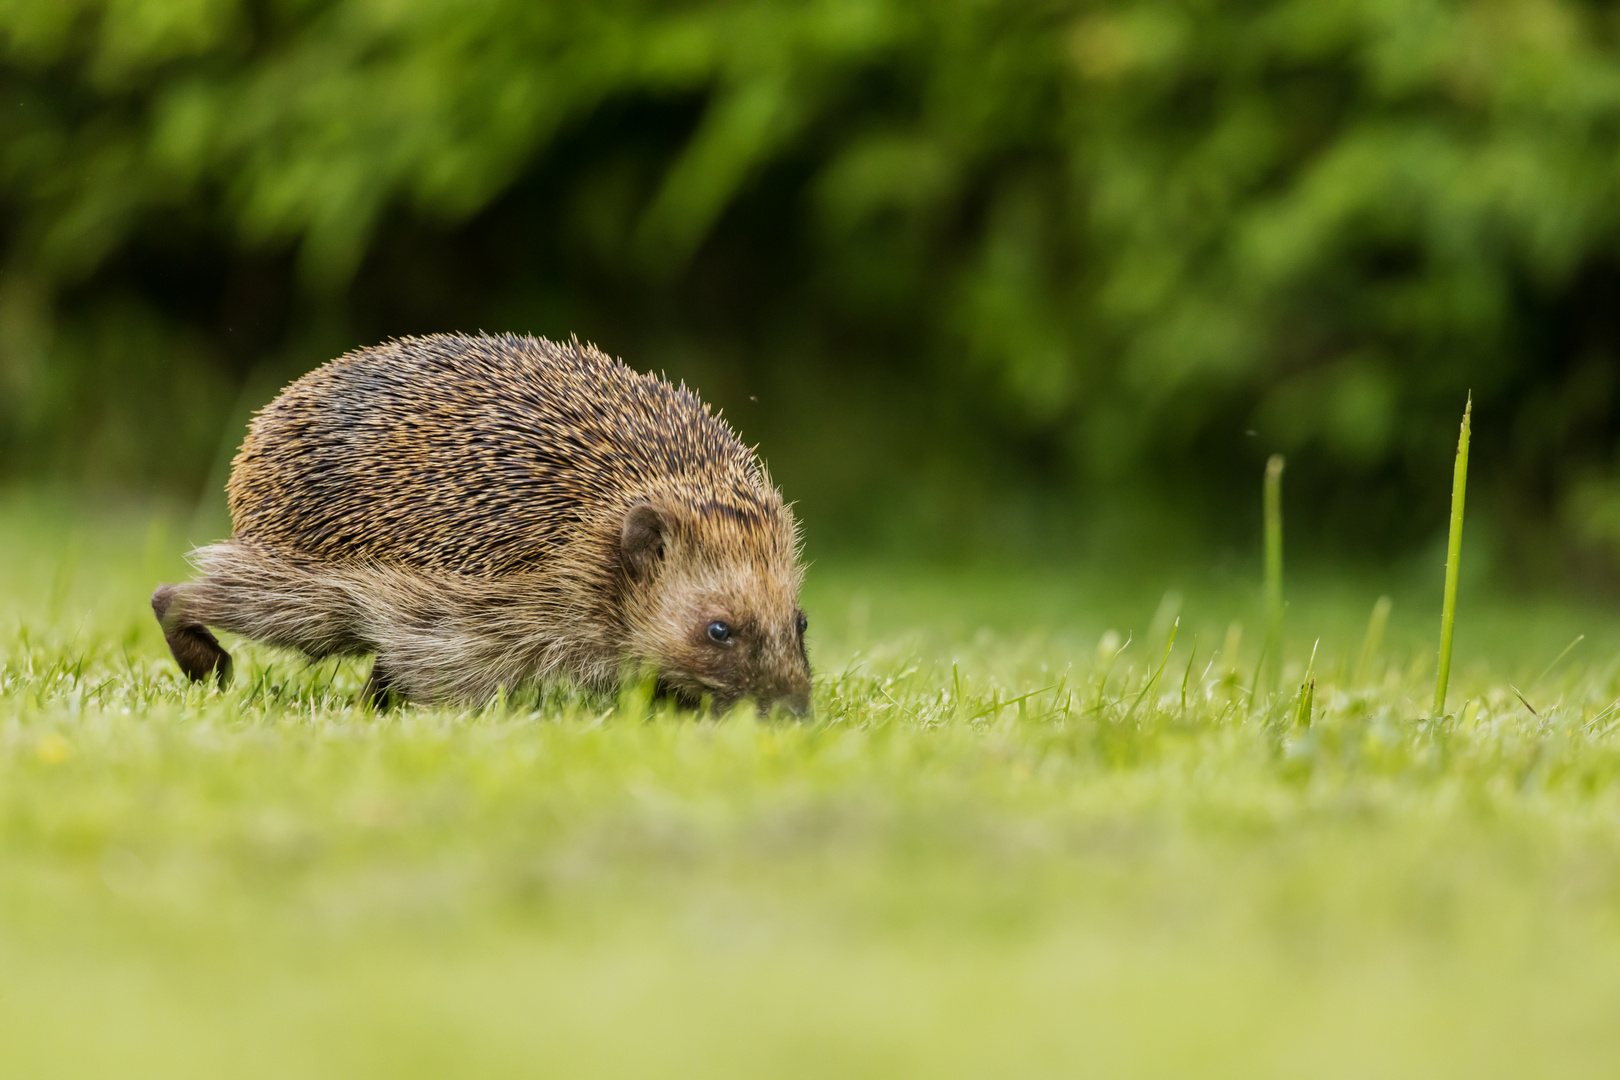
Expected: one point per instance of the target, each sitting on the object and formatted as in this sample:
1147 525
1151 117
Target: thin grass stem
1274 565
1185 675
1448 613
1307 690
1154 681
1259 666
1374 639
1557 660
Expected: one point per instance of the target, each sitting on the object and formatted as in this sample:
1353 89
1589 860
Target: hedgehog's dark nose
795 701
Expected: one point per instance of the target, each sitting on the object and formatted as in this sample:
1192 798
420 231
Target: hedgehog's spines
451 409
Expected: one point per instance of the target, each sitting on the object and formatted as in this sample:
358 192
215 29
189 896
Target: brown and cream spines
486 511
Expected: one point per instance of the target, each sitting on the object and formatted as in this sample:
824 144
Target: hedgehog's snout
786 688
796 702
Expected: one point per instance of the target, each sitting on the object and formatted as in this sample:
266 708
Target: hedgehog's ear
643 538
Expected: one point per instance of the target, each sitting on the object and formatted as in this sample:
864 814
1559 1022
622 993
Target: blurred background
1023 278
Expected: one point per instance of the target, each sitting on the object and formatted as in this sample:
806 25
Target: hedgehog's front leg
195 649
380 690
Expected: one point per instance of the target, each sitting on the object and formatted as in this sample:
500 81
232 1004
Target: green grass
991 854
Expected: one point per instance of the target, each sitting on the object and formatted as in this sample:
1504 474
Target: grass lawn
1002 848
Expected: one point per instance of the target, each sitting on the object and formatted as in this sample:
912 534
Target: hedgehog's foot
197 651
380 690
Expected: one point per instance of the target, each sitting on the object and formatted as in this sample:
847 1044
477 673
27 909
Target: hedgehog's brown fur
487 511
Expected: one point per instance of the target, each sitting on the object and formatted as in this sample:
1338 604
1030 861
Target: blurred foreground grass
997 850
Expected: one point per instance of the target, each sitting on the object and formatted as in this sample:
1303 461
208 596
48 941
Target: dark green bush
1068 252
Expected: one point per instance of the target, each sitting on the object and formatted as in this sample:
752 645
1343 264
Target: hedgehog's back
474 454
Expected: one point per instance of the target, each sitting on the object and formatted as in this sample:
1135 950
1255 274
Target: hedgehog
488 512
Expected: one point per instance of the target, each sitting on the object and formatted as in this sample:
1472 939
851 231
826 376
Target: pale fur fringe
439 637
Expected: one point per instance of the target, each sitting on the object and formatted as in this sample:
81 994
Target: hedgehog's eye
719 632
804 623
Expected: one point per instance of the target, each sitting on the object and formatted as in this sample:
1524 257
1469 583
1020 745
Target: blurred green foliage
956 250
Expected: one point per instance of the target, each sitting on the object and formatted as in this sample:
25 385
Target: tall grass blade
1374 639
1307 690
1274 569
1186 675
1448 613
1154 681
1254 683
1307 701
1168 611
1558 659
1229 647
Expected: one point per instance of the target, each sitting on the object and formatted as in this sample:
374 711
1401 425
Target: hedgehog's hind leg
262 595
197 651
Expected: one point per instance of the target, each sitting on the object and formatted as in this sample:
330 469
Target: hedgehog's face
716 620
